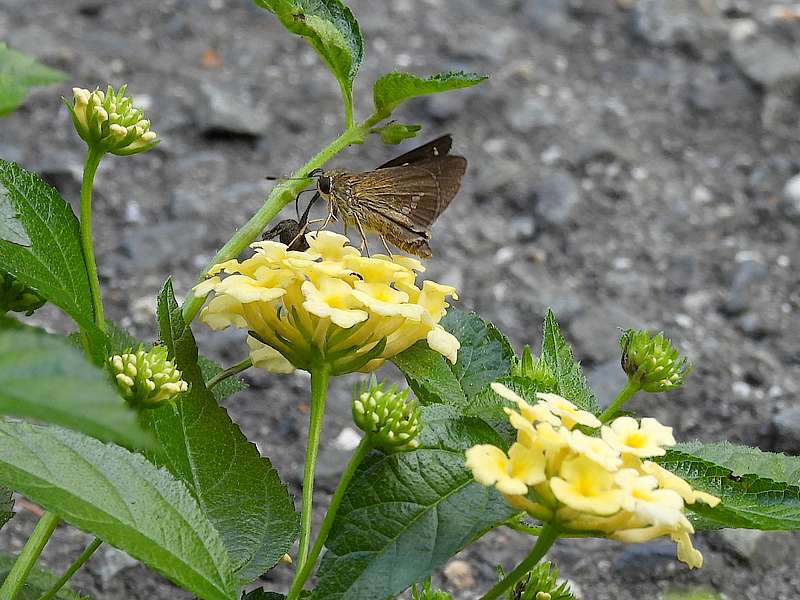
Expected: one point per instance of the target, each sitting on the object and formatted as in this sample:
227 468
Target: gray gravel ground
631 163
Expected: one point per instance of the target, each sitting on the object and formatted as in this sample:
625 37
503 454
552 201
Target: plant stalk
320 376
229 372
73 568
302 574
28 556
548 535
628 390
93 158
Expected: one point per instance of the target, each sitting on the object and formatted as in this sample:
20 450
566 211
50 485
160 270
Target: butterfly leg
364 246
386 245
327 219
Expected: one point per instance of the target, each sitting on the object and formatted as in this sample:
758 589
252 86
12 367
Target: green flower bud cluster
652 362
534 368
109 122
426 593
387 416
541 584
147 379
17 297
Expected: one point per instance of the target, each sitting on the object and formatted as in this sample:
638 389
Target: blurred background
631 164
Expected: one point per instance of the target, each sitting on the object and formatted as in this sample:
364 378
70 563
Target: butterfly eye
324 184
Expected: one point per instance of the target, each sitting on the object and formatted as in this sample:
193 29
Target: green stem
628 390
28 556
279 197
301 575
73 568
320 375
548 535
229 372
93 158
537 531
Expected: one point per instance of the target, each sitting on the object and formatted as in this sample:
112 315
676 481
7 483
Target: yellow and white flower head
108 121
327 305
582 481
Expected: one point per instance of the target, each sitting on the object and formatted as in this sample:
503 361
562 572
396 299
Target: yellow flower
327 305
629 437
510 474
537 412
595 449
670 481
648 502
586 487
267 358
570 414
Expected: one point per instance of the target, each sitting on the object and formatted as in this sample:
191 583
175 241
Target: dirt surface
631 164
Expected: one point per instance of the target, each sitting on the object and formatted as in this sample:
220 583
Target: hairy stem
73 568
302 574
229 372
320 375
93 158
28 556
546 538
628 390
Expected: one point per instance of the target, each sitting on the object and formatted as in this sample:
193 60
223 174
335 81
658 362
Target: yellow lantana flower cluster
327 305
558 474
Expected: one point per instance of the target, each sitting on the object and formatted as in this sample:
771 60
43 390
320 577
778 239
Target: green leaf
394 133
557 355
53 264
405 514
45 377
445 428
330 28
11 229
238 490
18 73
759 490
484 357
261 594
122 499
6 506
392 89
38 582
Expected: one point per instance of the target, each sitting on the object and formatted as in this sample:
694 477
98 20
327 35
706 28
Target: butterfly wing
412 195
438 147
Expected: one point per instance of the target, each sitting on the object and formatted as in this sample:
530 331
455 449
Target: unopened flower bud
530 367
542 584
17 297
147 379
652 361
109 121
426 593
386 416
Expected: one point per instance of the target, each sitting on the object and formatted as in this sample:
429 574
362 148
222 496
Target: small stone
785 427
679 23
460 574
109 562
347 439
762 548
749 274
741 389
643 562
766 56
779 111
444 107
222 109
557 197
551 17
606 380
791 198
530 113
